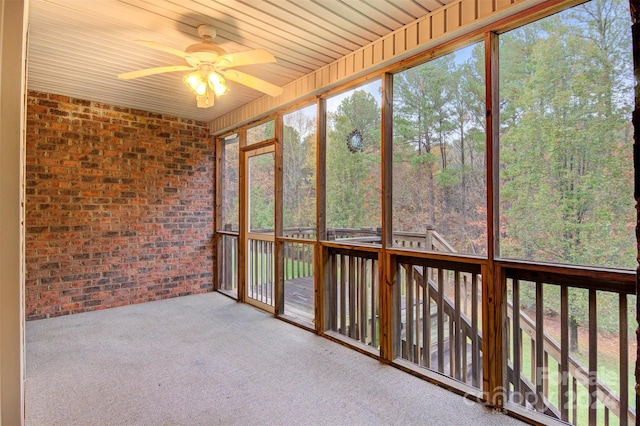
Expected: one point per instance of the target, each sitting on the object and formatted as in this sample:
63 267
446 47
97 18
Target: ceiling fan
210 67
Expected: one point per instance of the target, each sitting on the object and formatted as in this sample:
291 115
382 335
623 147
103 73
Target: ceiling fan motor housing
206 32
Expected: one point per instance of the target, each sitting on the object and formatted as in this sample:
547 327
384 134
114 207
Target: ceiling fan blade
249 57
151 71
253 82
163 48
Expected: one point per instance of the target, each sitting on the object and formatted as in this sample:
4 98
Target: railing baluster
262 270
426 319
464 335
563 374
574 400
352 297
417 319
298 250
539 346
255 269
545 376
457 342
335 295
532 350
259 269
452 349
235 265
408 318
593 358
256 264
517 388
362 300
253 265
272 272
440 320
624 360
475 343
343 294
266 270
374 304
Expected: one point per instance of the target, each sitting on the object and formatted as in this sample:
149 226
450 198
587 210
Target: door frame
246 152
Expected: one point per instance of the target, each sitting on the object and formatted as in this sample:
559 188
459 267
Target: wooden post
322 293
386 279
635 18
493 309
278 221
429 237
242 216
217 214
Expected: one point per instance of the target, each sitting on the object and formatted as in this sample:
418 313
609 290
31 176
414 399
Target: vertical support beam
242 215
635 30
321 172
387 269
563 376
539 372
219 154
322 288
278 221
593 358
623 322
493 315
13 29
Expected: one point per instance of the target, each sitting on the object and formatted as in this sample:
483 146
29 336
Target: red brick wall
119 206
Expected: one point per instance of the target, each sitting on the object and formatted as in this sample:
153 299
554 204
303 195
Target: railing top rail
617 281
454 265
230 233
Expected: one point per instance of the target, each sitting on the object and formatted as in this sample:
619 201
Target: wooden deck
299 298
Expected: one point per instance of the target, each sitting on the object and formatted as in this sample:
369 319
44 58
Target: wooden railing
556 379
298 260
299 286
431 240
437 313
353 295
228 263
261 278
439 310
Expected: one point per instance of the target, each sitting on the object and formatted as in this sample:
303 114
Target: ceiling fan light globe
201 89
196 83
217 84
192 80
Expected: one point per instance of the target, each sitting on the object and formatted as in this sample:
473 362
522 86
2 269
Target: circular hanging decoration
354 141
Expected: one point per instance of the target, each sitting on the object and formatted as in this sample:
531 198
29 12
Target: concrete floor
205 359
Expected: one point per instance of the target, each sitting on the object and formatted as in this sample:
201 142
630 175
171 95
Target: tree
299 170
565 144
439 137
353 177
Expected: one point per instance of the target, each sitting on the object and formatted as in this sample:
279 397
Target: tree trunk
573 335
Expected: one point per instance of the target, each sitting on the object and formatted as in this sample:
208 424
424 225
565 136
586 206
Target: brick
116 200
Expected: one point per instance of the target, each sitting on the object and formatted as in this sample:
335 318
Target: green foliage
353 178
299 171
438 149
448 178
565 145
261 197
421 160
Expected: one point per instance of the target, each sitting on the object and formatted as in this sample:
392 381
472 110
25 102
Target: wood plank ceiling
77 47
